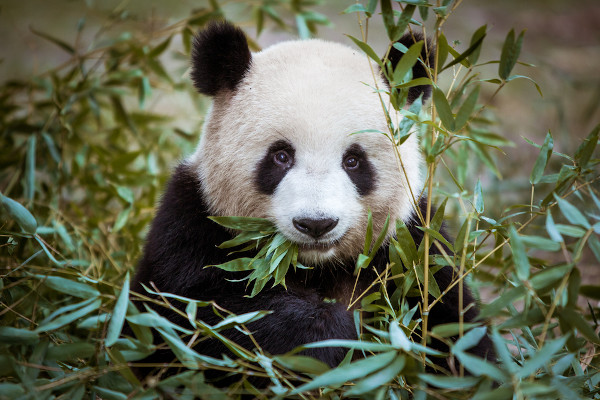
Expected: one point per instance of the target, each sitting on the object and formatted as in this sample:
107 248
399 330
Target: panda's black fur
182 241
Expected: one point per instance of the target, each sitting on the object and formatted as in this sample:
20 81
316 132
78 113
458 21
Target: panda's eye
351 162
282 158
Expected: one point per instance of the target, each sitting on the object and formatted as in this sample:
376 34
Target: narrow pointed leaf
522 266
443 109
118 314
20 214
542 159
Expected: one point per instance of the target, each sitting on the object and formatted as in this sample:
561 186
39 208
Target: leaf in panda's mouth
275 253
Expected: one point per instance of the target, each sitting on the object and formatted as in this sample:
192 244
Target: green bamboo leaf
594 244
66 319
54 153
443 109
380 238
571 212
242 238
303 364
572 231
93 322
539 242
506 299
350 344
64 235
70 351
438 218
121 219
239 264
369 234
542 159
118 314
153 320
520 258
235 320
586 149
478 366
513 77
465 111
30 168
464 55
575 320
408 60
437 236
20 214
542 357
398 338
355 8
367 50
443 48
450 382
350 372
469 339
379 378
452 329
551 228
245 223
485 157
10 335
144 91
406 245
60 43
510 53
69 286
11 390
502 351
478 198
479 33
389 23
549 276
158 50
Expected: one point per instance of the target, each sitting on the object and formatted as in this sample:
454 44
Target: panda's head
280 141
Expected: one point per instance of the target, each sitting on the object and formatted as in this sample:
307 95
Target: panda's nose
315 227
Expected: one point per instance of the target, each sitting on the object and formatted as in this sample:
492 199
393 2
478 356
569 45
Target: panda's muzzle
315 227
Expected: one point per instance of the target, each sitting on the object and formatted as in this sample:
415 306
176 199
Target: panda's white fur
314 94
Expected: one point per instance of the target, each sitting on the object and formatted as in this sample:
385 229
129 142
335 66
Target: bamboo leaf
118 314
20 214
465 111
367 50
542 159
510 53
520 258
60 43
571 213
350 372
443 109
30 168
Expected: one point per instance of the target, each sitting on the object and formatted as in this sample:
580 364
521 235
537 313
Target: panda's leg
296 318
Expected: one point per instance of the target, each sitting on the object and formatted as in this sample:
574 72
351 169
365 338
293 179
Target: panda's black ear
220 58
419 70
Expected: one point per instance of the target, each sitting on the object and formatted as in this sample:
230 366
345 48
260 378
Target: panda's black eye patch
360 170
277 161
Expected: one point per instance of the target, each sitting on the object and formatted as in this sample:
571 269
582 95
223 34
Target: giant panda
278 143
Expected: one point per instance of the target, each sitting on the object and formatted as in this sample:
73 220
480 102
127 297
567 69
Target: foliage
83 161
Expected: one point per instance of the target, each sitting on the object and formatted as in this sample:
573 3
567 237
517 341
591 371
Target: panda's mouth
317 246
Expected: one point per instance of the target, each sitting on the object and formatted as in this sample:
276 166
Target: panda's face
284 145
